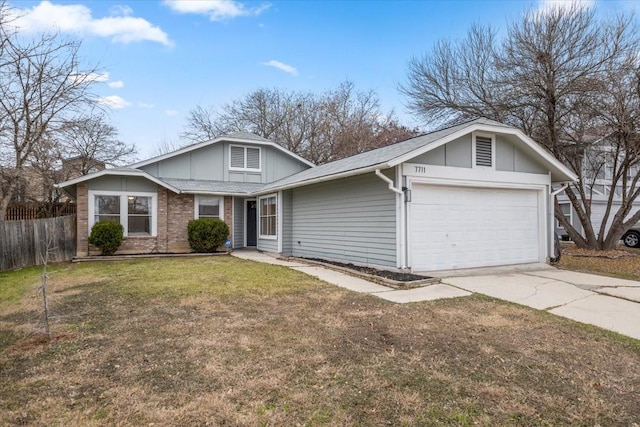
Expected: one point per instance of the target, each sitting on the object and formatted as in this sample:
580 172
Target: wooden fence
24 243
36 210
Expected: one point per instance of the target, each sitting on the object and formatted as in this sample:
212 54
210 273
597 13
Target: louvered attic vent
483 151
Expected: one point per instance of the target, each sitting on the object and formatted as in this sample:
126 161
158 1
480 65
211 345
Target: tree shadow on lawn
317 355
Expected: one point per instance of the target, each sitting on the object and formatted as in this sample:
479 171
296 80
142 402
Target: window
483 151
244 158
107 208
135 211
208 207
139 215
566 211
268 217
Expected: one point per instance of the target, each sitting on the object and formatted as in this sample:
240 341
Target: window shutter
253 158
483 151
237 157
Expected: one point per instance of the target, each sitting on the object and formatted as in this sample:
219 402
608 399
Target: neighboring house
597 173
475 194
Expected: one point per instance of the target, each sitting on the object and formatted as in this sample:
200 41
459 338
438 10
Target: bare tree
94 142
320 127
554 75
42 86
168 145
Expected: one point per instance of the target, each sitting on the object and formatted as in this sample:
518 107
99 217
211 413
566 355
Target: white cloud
171 112
70 18
547 5
114 101
281 66
116 84
145 105
217 10
91 77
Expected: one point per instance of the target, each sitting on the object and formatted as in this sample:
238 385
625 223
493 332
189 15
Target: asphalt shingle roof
205 186
374 157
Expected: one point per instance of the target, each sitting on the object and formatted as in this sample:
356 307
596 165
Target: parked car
632 237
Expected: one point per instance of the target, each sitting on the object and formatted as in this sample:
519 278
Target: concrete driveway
606 302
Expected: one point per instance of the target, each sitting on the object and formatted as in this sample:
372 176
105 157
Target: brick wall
82 223
179 213
228 214
174 213
162 238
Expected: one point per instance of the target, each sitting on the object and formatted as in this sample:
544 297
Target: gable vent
237 157
253 158
483 151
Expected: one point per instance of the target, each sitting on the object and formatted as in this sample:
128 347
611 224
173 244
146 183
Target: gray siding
212 163
456 153
349 220
122 183
268 245
238 222
287 227
510 158
205 163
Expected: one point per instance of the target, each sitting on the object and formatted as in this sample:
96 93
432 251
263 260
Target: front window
107 208
208 207
139 215
136 212
268 217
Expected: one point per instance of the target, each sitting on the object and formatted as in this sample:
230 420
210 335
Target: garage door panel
461 227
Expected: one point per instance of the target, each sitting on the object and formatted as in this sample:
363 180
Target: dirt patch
387 274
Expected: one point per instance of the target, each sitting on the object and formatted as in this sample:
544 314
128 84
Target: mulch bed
387 274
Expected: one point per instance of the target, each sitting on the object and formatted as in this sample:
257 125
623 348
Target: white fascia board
547 157
215 141
116 172
323 178
477 176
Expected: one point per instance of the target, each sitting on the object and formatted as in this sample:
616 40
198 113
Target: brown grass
159 342
623 262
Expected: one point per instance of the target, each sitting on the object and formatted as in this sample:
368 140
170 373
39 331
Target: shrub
106 235
207 234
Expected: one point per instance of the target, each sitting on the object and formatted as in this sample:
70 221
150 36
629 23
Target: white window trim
493 150
124 218
259 215
244 148
196 206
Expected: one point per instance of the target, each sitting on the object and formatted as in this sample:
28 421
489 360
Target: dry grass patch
623 262
225 341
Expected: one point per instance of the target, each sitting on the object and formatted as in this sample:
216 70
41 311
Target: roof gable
401 152
235 137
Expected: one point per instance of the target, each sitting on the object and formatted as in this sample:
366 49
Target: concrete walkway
609 303
426 293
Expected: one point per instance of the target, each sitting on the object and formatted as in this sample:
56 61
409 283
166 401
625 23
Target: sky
159 59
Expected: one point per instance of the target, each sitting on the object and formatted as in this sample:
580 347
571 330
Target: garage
462 227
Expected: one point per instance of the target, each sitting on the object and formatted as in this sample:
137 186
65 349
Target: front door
252 221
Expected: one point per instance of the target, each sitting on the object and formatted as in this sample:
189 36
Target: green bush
207 234
106 235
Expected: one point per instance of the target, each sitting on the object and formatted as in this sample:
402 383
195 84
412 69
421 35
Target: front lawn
623 262
222 341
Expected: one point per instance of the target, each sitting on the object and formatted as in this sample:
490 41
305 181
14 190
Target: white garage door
462 227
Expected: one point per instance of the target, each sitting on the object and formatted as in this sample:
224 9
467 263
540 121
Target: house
597 171
475 194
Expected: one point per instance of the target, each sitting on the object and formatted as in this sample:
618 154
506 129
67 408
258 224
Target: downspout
400 216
